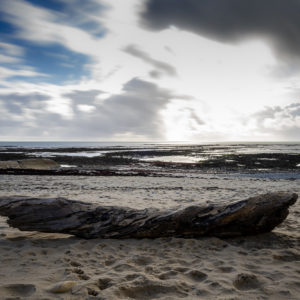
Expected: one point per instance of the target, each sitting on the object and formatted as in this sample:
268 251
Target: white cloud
26 72
11 49
227 84
280 118
11 53
44 27
134 113
9 59
86 107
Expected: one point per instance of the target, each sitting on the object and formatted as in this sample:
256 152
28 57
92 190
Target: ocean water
58 144
238 146
201 151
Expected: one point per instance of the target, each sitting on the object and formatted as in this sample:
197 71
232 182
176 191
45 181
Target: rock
9 164
58 215
33 164
38 164
62 287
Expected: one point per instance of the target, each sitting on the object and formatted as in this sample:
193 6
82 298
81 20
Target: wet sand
52 266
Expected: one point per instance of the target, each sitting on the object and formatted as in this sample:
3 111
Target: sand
52 266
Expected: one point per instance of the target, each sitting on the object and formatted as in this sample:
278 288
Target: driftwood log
58 215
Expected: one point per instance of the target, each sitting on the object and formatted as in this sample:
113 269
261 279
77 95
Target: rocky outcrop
9 164
30 164
38 164
247 217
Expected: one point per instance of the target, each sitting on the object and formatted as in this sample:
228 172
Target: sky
150 70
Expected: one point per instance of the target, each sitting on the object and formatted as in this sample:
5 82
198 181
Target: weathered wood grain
58 215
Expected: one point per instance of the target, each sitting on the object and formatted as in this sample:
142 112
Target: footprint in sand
75 263
104 283
110 261
92 292
148 289
83 277
167 275
196 275
225 269
80 273
181 269
77 271
125 268
141 260
244 281
18 289
132 276
287 256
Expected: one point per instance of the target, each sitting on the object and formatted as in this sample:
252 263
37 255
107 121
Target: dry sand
51 266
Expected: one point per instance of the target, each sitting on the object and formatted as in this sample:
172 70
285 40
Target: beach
149 149
55 266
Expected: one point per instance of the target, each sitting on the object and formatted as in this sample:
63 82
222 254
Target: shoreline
202 158
34 264
39 266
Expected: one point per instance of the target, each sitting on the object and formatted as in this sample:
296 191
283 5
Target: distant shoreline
159 160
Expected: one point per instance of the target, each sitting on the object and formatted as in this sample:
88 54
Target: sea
95 144
216 147
201 151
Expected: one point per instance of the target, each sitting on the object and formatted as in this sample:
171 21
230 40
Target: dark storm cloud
135 111
159 65
278 21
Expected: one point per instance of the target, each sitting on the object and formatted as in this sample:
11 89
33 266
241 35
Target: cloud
84 101
155 74
45 26
194 117
280 121
10 53
26 116
16 103
78 70
159 65
18 72
11 49
82 14
231 21
134 113
57 38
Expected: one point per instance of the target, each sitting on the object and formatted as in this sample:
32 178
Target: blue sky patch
49 4
6 28
57 62
75 15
